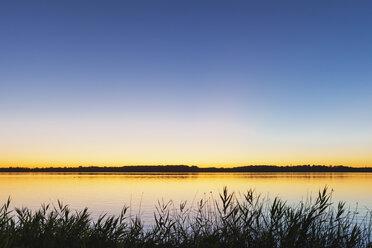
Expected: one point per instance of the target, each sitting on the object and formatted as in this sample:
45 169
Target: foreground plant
231 221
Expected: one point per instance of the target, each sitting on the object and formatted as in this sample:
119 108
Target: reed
232 220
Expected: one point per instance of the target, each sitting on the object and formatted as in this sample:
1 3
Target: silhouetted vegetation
245 220
185 168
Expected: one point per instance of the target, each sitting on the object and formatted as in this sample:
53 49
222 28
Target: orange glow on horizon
41 164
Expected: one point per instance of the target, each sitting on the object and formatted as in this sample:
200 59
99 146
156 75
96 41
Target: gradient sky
221 83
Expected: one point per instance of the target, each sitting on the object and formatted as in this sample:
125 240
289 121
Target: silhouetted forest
186 168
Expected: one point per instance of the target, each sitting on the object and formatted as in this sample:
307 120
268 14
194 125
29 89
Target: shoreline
193 169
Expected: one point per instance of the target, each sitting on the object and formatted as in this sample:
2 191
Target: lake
109 192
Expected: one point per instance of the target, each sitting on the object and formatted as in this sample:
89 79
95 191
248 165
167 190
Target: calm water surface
103 192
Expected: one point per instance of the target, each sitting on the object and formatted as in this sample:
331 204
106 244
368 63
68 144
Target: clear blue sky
196 82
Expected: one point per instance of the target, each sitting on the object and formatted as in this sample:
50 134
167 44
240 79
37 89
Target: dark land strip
192 169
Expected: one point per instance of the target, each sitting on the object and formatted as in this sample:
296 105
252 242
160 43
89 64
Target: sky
206 83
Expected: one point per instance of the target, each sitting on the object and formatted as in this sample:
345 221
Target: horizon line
193 168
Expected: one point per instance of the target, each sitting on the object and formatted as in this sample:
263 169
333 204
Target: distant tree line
186 168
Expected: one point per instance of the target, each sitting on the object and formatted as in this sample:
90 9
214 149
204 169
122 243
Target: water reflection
109 192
